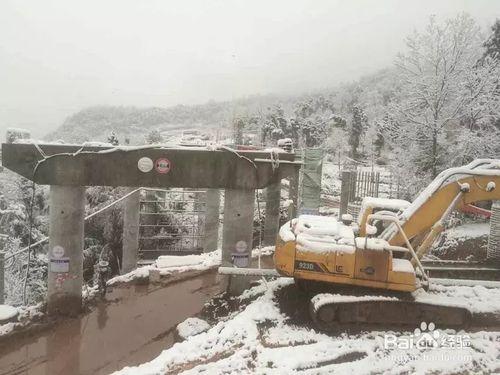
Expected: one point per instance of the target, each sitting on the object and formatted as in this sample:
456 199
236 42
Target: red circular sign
163 165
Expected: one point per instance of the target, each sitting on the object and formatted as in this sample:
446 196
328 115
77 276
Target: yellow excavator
375 263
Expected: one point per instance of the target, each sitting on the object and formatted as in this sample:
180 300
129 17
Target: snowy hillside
135 123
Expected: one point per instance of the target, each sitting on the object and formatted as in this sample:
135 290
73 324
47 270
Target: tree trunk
434 150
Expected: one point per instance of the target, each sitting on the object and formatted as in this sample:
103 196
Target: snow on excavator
378 258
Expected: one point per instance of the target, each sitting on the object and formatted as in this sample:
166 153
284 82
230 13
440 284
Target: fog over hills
95 123
58 57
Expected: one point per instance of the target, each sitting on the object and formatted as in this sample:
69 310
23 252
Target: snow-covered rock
8 313
191 327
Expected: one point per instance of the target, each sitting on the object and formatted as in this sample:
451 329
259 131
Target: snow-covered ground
25 316
259 339
464 242
168 265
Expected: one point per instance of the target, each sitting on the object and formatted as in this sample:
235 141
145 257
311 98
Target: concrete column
293 194
212 211
493 252
130 237
271 222
2 277
67 210
344 192
237 234
311 181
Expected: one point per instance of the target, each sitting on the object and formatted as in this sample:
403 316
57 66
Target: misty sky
57 57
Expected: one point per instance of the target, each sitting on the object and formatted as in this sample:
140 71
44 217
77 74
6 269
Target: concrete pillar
293 194
237 234
311 181
2 277
493 252
212 211
130 237
271 222
67 210
344 192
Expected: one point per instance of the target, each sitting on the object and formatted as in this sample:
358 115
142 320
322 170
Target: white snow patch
471 230
26 315
265 251
322 226
286 232
194 263
191 327
322 244
402 265
372 243
347 217
478 299
384 204
326 298
96 144
170 264
170 261
322 234
8 312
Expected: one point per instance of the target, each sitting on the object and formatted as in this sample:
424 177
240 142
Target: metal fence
363 184
355 186
171 222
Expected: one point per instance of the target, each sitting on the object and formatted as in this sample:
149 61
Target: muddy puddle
131 326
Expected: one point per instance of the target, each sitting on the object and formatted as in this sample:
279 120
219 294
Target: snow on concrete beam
151 166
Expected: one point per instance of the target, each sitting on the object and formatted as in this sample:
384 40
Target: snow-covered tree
113 139
492 45
23 218
275 125
314 120
447 99
154 137
357 128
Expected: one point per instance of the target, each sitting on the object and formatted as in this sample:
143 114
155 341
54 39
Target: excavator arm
455 188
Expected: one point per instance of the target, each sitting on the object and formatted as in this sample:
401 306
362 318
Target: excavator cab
323 249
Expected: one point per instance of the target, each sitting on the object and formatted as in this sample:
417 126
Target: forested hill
95 123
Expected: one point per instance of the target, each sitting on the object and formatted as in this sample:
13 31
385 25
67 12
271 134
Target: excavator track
331 312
